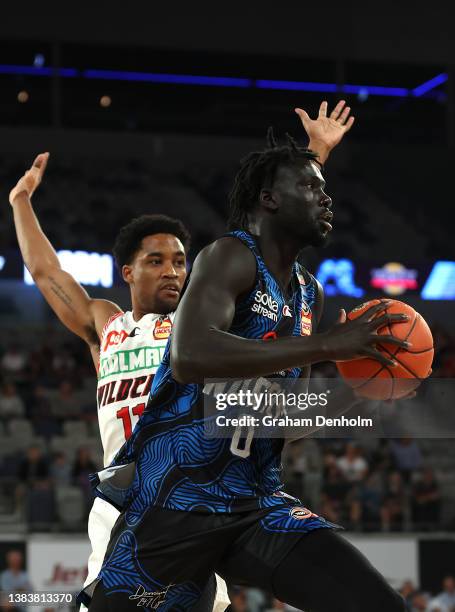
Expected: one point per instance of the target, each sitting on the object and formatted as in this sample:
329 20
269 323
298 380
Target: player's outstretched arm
203 348
324 132
71 303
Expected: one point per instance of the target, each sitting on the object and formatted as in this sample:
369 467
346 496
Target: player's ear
127 274
267 200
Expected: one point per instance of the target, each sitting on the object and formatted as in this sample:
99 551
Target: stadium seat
40 508
76 430
71 506
21 428
63 444
10 445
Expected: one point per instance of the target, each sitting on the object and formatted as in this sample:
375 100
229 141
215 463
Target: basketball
374 380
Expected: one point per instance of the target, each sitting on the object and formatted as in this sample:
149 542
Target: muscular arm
81 314
202 348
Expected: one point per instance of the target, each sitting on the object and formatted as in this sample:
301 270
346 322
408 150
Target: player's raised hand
31 179
327 131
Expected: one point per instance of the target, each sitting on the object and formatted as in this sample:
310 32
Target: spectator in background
34 467
63 362
407 591
33 472
11 404
406 456
365 506
426 504
44 423
238 599
352 465
13 362
446 599
61 470
333 494
84 466
392 509
419 602
255 600
14 579
64 402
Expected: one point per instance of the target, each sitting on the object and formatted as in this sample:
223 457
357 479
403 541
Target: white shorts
101 519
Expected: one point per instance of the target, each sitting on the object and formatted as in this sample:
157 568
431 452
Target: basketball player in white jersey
126 347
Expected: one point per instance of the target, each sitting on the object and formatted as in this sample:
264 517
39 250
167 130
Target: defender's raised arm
70 302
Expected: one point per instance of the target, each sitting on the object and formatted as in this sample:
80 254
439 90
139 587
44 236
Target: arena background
123 144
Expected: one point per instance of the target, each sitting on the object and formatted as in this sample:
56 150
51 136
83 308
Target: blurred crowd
49 444
82 203
15 579
417 600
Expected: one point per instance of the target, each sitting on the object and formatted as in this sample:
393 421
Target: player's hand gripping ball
373 380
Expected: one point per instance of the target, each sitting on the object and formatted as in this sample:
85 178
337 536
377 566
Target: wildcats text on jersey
121 390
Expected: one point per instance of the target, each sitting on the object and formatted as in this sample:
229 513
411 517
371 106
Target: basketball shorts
166 559
102 519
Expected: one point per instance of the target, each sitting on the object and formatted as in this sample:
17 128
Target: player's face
303 208
157 273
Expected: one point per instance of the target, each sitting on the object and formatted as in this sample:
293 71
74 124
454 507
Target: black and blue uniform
191 503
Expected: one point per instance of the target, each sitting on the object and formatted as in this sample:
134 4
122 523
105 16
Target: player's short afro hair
130 237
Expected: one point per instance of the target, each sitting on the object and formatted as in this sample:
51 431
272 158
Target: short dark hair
258 168
129 238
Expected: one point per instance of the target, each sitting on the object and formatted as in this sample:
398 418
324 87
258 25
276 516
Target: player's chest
280 314
133 349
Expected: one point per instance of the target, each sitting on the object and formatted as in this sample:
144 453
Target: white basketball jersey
130 353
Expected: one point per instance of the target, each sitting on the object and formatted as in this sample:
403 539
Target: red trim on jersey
103 331
108 322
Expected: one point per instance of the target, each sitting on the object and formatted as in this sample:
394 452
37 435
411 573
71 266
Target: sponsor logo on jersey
287 311
131 361
265 306
305 319
284 495
300 513
114 338
162 329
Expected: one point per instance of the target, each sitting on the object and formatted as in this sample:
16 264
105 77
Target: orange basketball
373 380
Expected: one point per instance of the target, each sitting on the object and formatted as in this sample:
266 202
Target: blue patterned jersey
177 466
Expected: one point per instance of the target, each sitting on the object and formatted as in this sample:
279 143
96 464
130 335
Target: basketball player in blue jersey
221 506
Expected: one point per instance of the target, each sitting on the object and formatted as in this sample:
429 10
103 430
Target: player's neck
278 251
136 309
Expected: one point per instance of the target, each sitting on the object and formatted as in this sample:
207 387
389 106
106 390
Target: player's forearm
218 354
37 252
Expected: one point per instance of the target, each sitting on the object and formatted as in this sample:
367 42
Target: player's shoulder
227 245
102 312
113 317
229 260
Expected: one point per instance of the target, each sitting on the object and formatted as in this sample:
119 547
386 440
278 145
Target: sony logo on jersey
265 306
